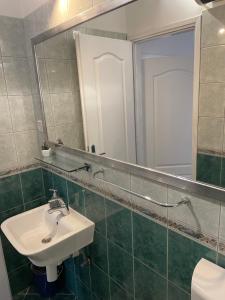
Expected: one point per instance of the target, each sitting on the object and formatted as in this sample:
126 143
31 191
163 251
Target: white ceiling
19 8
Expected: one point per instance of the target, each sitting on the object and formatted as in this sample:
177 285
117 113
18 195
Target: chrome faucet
57 204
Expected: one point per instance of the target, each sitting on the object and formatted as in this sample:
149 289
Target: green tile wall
209 169
19 193
132 256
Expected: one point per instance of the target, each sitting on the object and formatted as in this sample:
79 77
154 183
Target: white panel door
168 89
106 82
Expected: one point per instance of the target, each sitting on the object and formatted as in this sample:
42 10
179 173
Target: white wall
114 21
19 8
145 17
28 6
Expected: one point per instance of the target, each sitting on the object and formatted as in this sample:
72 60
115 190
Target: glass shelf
63 163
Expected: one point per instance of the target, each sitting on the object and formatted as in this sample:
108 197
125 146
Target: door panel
106 82
168 102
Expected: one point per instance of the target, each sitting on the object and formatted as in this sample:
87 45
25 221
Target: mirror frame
190 186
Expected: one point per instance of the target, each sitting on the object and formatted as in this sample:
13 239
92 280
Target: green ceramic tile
69 280
69 264
83 292
62 297
11 212
48 182
10 193
117 293
32 185
221 260
60 184
35 203
98 252
18 297
183 255
13 259
148 284
121 267
76 196
223 173
95 211
119 225
82 269
208 168
99 283
175 293
20 279
33 297
150 243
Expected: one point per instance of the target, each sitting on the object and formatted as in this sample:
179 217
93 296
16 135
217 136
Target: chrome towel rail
185 200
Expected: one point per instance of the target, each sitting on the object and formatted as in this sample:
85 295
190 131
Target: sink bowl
27 230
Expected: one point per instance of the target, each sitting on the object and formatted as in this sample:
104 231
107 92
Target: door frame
190 24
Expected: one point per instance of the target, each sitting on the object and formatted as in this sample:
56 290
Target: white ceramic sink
27 230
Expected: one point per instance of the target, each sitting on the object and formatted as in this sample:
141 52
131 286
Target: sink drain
46 240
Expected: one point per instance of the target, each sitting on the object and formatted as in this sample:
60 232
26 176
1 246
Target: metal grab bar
185 200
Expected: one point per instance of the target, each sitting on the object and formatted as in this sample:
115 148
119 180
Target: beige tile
12 34
213 23
210 134
197 215
51 134
155 191
212 64
224 139
5 120
8 156
212 100
42 75
67 133
22 111
57 82
17 76
41 17
48 110
54 48
3 91
26 147
63 108
77 6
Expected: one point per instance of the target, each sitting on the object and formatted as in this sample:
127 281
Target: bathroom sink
27 233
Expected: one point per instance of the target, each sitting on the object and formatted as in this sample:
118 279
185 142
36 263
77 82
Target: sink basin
27 230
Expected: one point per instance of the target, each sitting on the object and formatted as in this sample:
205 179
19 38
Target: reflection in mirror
106 93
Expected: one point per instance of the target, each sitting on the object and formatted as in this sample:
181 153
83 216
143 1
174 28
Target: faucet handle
56 203
54 196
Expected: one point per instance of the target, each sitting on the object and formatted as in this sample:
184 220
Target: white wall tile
212 100
17 76
8 157
5 120
210 134
27 147
12 41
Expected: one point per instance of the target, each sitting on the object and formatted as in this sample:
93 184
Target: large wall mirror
133 98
